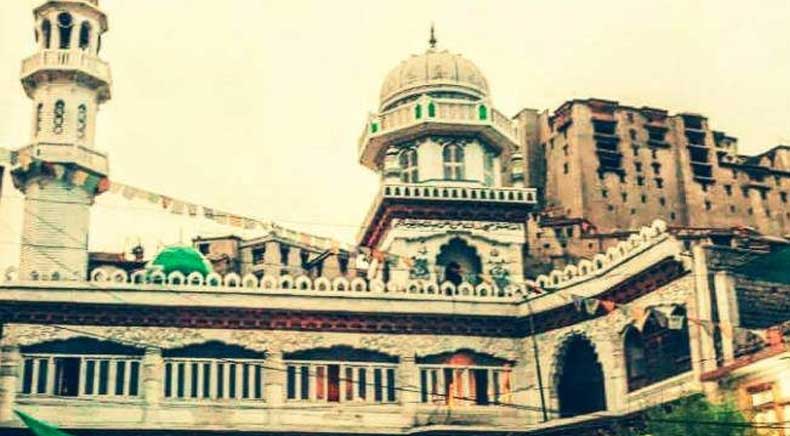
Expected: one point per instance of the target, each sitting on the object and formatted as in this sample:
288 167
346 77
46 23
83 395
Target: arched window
341 373
39 113
431 110
46 33
453 157
464 376
65 24
82 120
460 261
660 351
57 119
80 367
213 370
418 111
483 112
580 383
85 35
408 166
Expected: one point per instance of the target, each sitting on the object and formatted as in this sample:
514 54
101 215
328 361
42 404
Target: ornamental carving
455 225
260 340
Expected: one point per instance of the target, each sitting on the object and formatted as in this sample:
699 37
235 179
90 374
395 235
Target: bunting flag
591 305
166 202
79 177
578 302
676 322
608 305
40 428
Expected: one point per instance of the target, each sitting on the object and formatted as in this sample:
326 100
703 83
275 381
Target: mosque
542 274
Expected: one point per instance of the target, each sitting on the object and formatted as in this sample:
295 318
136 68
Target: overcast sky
256 106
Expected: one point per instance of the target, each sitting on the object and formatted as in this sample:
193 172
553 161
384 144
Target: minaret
60 172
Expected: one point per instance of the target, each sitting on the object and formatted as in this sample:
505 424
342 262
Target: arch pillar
408 382
274 379
153 376
10 360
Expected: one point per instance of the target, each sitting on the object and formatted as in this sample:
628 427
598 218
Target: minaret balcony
83 66
429 192
422 117
74 154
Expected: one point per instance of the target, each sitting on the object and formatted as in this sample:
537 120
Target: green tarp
183 259
40 428
773 267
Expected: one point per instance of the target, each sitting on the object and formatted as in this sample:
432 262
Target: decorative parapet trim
602 263
286 284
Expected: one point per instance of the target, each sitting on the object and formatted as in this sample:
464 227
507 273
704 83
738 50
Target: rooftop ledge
446 116
285 292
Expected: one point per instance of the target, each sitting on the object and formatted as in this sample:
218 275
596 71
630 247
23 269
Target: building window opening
46 33
212 371
453 157
85 35
488 169
39 113
409 172
82 120
464 378
327 374
258 254
460 262
65 25
57 120
59 368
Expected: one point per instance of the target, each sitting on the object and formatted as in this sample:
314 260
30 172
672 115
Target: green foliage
696 416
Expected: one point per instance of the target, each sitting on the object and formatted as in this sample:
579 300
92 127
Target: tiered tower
58 171
453 204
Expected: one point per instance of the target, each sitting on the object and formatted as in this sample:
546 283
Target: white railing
445 111
196 379
67 60
419 191
363 382
45 375
465 385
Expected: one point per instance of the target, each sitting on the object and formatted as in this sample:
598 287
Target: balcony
90 68
444 117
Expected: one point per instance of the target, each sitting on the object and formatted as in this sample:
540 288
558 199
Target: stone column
724 286
703 353
409 392
271 259
153 382
274 379
331 269
294 262
9 374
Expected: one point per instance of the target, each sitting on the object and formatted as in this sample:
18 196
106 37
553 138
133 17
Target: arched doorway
580 383
460 262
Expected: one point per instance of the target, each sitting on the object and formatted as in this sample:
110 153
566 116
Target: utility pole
536 354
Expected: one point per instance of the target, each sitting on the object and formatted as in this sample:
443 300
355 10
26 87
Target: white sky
256 106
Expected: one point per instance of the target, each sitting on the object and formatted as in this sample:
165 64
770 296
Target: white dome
435 71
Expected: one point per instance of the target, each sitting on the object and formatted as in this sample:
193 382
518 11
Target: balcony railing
67 60
80 376
194 379
455 112
362 382
419 191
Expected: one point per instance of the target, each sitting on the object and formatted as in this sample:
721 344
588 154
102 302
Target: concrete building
431 326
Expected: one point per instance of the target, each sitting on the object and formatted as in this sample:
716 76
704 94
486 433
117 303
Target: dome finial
432 41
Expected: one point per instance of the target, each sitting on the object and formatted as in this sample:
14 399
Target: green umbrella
186 260
40 428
